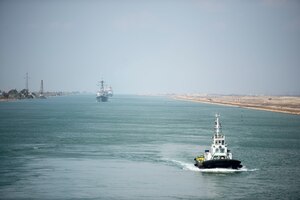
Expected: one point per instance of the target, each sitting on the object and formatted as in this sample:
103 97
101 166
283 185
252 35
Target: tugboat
102 95
219 156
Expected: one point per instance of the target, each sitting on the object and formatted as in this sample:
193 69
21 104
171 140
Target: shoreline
7 100
287 105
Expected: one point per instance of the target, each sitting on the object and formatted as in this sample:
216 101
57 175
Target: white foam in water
186 166
222 170
192 167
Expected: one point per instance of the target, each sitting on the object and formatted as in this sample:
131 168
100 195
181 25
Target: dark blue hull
220 163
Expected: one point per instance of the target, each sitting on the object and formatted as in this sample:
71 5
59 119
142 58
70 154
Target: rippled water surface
135 147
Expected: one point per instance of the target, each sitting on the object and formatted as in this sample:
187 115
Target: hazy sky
158 46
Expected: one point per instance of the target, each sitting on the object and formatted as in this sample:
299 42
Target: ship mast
217 125
102 85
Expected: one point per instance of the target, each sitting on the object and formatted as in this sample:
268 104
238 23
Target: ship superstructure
109 91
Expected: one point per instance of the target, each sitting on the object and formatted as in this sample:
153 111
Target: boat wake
192 167
184 166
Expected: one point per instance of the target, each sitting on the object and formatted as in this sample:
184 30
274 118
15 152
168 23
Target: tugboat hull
222 163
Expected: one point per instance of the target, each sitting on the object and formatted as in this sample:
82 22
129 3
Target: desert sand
282 104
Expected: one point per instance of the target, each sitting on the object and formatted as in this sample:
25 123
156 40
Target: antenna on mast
217 125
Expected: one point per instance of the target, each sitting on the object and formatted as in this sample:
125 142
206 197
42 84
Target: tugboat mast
218 126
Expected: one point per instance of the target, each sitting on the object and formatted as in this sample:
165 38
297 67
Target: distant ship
102 94
218 156
109 91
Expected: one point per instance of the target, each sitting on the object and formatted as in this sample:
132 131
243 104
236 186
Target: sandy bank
7 100
282 104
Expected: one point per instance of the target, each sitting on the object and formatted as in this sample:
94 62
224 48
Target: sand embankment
6 100
282 104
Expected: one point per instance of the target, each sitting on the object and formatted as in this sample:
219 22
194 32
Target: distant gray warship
102 94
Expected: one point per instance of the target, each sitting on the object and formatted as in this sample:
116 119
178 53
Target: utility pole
42 87
26 86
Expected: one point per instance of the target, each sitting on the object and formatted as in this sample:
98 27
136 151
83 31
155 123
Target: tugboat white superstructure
219 156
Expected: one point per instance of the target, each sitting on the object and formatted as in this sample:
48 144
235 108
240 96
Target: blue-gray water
136 147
